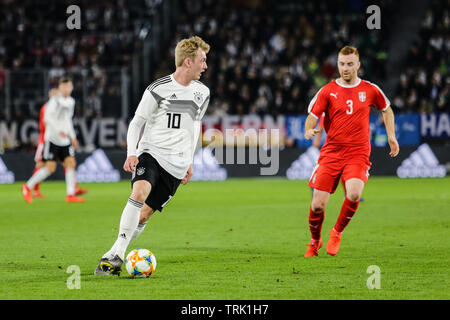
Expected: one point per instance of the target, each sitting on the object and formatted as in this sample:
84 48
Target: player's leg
78 190
145 176
160 196
40 175
39 164
146 213
361 199
69 164
324 180
111 262
355 176
36 190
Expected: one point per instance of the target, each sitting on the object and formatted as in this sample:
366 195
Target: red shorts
328 171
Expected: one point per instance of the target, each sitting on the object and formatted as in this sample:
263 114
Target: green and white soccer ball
140 263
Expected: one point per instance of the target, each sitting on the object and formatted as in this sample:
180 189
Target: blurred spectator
424 84
34 36
273 58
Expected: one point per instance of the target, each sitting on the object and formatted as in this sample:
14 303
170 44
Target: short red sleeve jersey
41 124
346 111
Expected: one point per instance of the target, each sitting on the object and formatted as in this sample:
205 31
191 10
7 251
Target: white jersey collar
349 85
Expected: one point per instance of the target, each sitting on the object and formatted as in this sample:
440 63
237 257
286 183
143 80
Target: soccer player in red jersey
346 104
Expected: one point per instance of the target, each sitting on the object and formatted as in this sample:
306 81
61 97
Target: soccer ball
140 263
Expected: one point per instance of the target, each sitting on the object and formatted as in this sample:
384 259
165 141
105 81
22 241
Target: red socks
315 223
348 209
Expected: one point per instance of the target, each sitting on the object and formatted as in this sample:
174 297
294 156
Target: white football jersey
58 118
173 114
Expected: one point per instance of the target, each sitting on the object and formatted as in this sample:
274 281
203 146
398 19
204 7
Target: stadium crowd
272 59
424 85
267 57
34 36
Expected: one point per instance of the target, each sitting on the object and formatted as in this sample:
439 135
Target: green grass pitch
238 239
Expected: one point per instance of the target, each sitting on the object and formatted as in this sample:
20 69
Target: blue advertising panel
407 130
435 125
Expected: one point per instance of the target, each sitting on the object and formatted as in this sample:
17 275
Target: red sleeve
41 119
380 101
319 103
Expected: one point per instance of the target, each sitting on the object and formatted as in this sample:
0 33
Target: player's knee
70 163
318 206
51 166
353 195
140 191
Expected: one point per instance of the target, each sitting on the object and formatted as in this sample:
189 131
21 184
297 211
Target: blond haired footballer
170 111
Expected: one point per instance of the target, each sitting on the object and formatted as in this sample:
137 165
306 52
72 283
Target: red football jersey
41 124
346 111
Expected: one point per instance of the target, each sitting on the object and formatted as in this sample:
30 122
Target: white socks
43 174
128 224
39 176
112 252
70 181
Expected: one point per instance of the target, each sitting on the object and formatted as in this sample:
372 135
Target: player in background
346 103
171 110
40 148
59 141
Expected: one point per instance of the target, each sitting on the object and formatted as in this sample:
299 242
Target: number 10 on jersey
173 120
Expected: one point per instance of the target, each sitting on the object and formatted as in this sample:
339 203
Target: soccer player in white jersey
171 110
59 141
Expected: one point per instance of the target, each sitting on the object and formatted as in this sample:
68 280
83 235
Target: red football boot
334 242
27 193
313 248
74 198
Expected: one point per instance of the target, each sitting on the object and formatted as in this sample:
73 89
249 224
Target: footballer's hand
311 133
395 149
75 143
188 175
62 134
130 164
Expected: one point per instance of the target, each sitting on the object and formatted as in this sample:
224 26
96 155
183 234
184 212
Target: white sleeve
134 130
147 106
50 118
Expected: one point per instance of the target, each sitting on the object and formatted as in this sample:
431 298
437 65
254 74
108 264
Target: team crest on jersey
362 96
198 97
140 171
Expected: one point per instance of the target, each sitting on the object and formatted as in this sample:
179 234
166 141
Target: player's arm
144 112
71 131
316 108
50 117
134 130
188 175
310 127
389 123
316 141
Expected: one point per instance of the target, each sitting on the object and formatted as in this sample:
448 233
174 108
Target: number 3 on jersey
173 120
350 106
